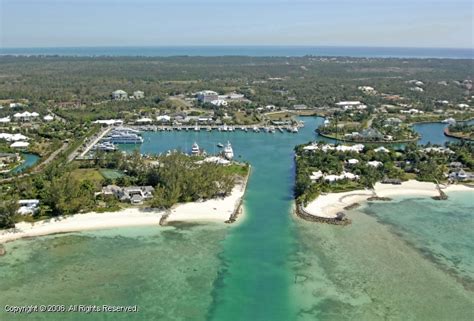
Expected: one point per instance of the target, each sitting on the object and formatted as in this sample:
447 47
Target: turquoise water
434 133
410 259
30 160
271 266
254 51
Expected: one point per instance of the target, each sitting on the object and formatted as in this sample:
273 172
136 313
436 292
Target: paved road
95 141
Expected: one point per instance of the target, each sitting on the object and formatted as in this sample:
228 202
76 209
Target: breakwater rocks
352 206
340 219
238 209
236 213
378 198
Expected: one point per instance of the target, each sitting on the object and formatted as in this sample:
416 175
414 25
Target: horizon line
232 45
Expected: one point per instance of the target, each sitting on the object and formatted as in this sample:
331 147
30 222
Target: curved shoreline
368 142
447 133
210 211
327 206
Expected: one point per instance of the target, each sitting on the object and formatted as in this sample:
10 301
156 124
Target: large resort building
207 96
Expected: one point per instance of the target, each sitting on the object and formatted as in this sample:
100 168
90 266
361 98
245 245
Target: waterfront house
144 120
455 165
371 134
133 194
393 121
460 175
28 206
9 157
300 107
20 145
109 122
163 118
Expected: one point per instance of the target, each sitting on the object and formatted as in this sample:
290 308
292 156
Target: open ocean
254 51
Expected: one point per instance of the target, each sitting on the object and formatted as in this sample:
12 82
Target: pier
219 128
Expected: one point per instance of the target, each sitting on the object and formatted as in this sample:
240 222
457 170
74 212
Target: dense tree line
412 162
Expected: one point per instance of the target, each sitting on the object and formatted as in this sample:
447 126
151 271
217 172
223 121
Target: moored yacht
195 149
228 151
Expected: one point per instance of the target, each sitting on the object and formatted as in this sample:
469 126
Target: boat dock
221 128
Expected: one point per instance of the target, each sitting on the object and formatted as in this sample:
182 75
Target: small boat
228 151
256 129
295 129
209 129
195 149
220 145
196 129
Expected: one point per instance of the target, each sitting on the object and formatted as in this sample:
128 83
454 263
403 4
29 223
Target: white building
16 105
119 95
48 118
375 163
381 149
351 105
28 206
26 116
144 120
207 96
20 145
367 89
13 137
163 118
138 94
5 120
109 122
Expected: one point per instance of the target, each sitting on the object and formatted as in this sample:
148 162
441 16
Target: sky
384 23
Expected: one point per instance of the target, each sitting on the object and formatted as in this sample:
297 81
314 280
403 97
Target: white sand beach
329 205
215 210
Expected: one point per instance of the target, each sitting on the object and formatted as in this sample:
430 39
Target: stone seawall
301 213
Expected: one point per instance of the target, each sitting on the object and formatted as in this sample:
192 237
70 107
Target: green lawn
90 174
240 170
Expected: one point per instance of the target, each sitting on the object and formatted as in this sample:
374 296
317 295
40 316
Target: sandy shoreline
215 210
327 206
